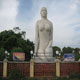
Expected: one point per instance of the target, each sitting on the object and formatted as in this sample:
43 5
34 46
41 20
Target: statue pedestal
44 59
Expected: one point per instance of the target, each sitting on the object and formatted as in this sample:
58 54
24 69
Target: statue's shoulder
50 22
38 21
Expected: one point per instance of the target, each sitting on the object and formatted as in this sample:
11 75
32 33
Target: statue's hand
35 53
50 44
48 50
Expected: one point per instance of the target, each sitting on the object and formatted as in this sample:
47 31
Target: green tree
23 34
67 50
77 56
10 39
10 43
2 54
76 50
16 29
56 48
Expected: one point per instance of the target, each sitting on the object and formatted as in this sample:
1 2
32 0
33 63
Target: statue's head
43 12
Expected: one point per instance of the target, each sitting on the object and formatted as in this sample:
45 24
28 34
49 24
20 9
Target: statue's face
44 13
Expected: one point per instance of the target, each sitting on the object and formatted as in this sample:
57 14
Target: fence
31 69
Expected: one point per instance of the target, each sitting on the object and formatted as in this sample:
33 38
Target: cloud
65 16
64 31
8 13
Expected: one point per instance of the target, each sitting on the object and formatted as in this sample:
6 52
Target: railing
32 69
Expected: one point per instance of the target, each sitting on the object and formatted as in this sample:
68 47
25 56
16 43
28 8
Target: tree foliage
77 56
10 39
56 48
67 50
2 54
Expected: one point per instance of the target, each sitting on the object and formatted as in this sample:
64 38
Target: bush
64 78
15 75
73 76
0 78
3 78
33 79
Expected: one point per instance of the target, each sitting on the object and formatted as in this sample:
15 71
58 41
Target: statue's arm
36 38
51 36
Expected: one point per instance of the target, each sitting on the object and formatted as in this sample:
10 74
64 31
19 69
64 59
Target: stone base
44 59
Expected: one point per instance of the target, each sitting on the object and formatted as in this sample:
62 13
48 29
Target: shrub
75 75
32 79
64 78
15 75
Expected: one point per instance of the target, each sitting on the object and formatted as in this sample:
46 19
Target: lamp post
57 52
73 51
31 52
6 54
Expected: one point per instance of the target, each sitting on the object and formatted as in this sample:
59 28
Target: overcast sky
64 14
